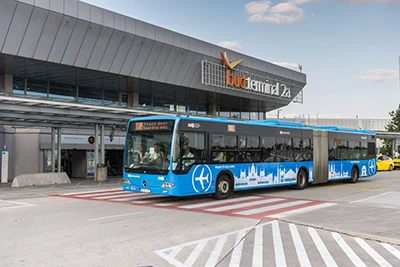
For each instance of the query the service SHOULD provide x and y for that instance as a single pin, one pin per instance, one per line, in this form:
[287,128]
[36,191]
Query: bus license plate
[144,190]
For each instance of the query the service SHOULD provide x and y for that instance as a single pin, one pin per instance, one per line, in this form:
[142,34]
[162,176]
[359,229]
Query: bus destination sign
[153,126]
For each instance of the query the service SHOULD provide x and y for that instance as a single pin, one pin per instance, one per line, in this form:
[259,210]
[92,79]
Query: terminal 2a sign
[238,79]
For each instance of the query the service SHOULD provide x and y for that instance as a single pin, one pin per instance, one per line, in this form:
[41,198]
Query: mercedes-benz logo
[144,182]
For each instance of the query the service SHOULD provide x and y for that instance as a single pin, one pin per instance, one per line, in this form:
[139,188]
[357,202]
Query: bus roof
[273,123]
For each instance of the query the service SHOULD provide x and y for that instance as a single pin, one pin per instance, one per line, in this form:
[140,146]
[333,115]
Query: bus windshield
[148,147]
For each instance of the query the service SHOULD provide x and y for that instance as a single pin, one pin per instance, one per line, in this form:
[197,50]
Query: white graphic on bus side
[201,178]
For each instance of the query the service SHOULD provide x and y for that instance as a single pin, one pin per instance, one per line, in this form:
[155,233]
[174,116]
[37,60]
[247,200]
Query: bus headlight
[126,181]
[167,185]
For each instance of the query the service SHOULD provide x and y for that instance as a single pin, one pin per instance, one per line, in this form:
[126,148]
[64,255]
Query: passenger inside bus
[218,155]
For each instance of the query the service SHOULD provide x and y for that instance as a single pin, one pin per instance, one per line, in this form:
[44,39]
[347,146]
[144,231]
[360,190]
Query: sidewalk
[76,185]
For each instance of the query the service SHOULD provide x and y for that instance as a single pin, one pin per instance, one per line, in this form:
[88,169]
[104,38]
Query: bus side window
[297,149]
[268,149]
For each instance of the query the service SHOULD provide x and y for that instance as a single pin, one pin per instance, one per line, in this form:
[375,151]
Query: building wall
[26,151]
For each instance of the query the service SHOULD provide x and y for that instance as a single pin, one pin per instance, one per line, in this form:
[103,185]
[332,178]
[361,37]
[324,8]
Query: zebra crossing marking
[232,255]
[254,206]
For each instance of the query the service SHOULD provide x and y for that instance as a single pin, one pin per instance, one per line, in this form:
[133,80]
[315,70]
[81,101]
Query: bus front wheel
[223,187]
[302,179]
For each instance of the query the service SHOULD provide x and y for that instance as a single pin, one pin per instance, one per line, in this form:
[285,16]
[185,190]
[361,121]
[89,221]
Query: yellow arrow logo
[230,65]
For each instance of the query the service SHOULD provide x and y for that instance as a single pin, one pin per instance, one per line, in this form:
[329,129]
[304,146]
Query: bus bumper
[148,189]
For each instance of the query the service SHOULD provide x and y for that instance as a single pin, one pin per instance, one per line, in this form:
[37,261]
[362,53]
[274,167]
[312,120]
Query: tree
[393,126]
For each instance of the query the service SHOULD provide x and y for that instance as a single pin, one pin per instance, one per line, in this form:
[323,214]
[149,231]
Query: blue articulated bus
[184,156]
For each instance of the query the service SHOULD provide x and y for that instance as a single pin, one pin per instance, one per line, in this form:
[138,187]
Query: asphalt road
[89,224]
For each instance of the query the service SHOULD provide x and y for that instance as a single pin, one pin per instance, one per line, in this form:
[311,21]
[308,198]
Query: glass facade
[151,95]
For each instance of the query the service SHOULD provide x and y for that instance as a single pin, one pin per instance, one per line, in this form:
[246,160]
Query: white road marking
[298,244]
[392,250]
[195,253]
[349,252]
[175,252]
[245,205]
[326,256]
[278,246]
[368,198]
[214,256]
[237,252]
[303,210]
[114,216]
[213,259]
[116,196]
[273,207]
[378,258]
[19,205]
[116,193]
[94,191]
[214,203]
[137,197]
[258,247]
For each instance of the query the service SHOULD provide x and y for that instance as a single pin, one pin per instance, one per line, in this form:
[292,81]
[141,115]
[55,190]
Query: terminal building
[70,72]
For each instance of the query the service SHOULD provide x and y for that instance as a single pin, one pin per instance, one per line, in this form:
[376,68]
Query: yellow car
[384,163]
[396,163]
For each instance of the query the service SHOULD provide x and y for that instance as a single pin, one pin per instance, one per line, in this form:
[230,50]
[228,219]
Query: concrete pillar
[53,149]
[102,145]
[59,150]
[6,83]
[96,148]
[133,92]
[212,104]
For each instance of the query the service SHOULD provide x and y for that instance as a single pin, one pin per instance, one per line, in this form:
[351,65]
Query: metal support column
[102,145]
[53,149]
[96,148]
[395,145]
[59,150]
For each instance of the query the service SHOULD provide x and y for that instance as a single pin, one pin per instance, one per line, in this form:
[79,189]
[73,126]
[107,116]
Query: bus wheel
[354,175]
[224,187]
[302,179]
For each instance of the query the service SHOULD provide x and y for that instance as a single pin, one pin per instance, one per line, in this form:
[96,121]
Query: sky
[349,49]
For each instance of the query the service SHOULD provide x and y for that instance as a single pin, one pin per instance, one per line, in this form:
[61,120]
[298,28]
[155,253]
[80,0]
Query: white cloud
[235,45]
[293,66]
[379,75]
[285,12]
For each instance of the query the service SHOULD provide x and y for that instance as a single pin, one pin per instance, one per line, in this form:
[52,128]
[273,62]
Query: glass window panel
[217,141]
[253,142]
[231,142]
[36,88]
[242,141]
[268,149]
[158,99]
[193,149]
[18,85]
[62,91]
[86,94]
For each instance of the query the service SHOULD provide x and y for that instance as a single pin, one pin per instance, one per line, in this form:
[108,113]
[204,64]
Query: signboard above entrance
[227,75]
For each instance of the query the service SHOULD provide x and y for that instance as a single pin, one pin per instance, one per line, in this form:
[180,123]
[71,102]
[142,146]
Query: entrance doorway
[114,161]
